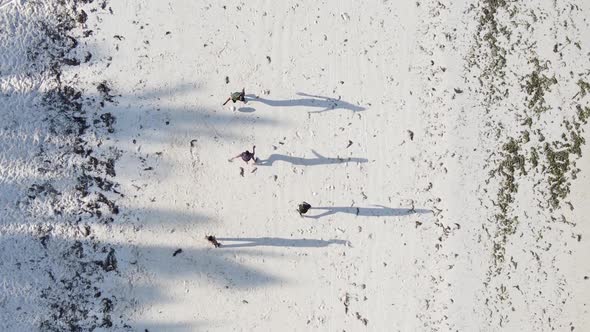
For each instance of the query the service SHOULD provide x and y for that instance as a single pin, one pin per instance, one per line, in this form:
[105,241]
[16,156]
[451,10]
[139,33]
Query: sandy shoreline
[439,143]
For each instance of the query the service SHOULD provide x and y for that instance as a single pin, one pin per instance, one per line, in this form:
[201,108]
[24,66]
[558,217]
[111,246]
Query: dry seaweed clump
[512,165]
[536,85]
[583,114]
[489,19]
[489,23]
[534,158]
[584,88]
[558,154]
[560,165]
[492,47]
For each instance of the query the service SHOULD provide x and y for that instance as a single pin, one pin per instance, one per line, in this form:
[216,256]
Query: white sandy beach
[441,145]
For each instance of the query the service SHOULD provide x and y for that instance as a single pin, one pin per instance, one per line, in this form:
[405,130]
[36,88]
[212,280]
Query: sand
[440,144]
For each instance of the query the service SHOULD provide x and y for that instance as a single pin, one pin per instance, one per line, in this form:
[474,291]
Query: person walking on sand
[246,155]
[303,208]
[213,240]
[235,96]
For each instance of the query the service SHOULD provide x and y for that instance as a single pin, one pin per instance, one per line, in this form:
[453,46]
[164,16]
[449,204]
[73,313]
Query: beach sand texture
[441,145]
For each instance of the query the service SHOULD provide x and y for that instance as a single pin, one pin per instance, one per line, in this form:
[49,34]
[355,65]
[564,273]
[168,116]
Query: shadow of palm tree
[318,160]
[83,262]
[171,327]
[64,191]
[378,211]
[211,264]
[144,123]
[277,242]
[246,109]
[326,103]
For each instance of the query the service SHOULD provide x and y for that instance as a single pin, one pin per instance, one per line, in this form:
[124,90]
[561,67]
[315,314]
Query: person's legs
[243,95]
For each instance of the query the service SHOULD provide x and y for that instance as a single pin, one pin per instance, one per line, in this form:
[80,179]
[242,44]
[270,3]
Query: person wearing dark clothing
[303,208]
[213,240]
[235,96]
[246,155]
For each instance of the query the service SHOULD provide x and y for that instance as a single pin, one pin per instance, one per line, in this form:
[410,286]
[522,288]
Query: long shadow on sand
[318,160]
[325,103]
[377,211]
[276,242]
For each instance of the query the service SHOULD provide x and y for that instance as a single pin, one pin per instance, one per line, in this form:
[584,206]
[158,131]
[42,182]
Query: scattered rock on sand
[110,262]
[362,319]
[71,62]
[85,230]
[346,302]
[82,17]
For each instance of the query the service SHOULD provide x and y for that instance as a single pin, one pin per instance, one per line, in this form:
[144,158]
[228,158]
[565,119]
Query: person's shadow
[377,211]
[325,103]
[246,109]
[275,242]
[318,160]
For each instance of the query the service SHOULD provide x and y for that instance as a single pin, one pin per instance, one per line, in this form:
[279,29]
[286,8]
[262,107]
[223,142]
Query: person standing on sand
[235,96]
[303,208]
[246,155]
[213,240]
